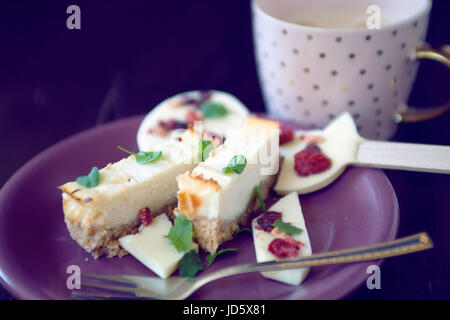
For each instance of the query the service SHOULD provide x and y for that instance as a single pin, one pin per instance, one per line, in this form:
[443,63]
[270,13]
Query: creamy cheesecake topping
[129,185]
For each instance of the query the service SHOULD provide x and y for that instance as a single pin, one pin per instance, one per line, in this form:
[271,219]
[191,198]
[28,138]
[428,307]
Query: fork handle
[404,156]
[401,246]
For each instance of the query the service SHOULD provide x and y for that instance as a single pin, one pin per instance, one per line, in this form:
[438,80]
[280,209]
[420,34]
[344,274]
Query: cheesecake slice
[219,194]
[289,211]
[97,217]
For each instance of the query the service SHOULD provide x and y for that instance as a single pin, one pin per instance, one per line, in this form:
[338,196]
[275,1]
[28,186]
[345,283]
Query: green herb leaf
[213,109]
[91,180]
[190,264]
[262,204]
[237,164]
[211,256]
[147,157]
[204,149]
[180,234]
[144,157]
[286,227]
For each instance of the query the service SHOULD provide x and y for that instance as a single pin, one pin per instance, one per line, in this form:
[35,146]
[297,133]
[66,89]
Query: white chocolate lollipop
[175,112]
[340,142]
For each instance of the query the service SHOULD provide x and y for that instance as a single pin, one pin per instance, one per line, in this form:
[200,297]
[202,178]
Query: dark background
[130,55]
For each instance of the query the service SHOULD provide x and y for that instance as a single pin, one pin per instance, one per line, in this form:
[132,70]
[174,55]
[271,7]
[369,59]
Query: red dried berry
[205,95]
[146,216]
[192,116]
[172,125]
[267,219]
[284,248]
[197,102]
[313,148]
[286,134]
[309,162]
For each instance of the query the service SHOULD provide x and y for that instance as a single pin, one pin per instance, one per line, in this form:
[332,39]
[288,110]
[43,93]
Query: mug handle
[412,114]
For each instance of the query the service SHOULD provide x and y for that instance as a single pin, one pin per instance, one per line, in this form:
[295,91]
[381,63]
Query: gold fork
[174,288]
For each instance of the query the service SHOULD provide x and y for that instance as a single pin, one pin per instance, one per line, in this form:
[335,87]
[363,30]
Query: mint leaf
[262,205]
[211,257]
[213,109]
[91,180]
[286,227]
[147,157]
[144,157]
[237,164]
[204,149]
[190,264]
[180,234]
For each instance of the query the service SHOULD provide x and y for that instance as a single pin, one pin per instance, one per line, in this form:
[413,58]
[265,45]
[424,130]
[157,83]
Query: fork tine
[103,296]
[115,279]
[120,289]
[148,286]
[132,291]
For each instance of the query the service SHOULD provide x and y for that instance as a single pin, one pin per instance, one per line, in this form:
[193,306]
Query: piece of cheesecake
[216,112]
[151,247]
[291,213]
[218,200]
[97,217]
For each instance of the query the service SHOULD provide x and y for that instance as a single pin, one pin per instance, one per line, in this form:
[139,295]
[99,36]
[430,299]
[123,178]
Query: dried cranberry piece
[172,125]
[159,131]
[146,216]
[205,95]
[197,102]
[267,219]
[314,148]
[309,162]
[312,139]
[257,213]
[192,116]
[286,134]
[189,101]
[284,248]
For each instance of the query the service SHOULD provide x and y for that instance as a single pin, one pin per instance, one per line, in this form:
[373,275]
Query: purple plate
[360,208]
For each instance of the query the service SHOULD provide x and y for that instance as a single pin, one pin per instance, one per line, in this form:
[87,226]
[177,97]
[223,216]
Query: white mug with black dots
[317,59]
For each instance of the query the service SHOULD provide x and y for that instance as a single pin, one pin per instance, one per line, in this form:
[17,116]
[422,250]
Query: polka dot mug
[311,73]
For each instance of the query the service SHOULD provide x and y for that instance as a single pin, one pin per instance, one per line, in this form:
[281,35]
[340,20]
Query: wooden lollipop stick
[404,156]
